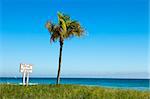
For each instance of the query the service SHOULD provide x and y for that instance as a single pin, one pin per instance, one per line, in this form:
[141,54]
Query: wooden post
[24,74]
[27,79]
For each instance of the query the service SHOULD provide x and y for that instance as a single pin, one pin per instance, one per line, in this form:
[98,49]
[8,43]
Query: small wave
[29,84]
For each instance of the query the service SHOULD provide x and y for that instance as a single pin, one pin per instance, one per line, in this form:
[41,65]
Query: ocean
[137,84]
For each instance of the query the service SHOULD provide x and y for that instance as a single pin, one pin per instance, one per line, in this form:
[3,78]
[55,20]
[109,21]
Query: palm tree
[66,28]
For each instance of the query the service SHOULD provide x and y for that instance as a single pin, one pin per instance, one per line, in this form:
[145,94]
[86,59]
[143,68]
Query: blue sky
[116,43]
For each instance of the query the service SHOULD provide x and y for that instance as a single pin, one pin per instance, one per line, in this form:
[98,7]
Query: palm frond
[66,28]
[50,27]
[56,33]
[74,29]
[62,25]
[63,16]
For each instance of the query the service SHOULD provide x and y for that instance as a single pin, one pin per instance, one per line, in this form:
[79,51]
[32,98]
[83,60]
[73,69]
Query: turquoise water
[137,84]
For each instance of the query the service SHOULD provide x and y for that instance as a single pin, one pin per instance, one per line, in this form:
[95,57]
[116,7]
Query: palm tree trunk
[59,65]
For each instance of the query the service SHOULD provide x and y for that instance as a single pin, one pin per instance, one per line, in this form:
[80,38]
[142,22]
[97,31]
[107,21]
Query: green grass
[68,92]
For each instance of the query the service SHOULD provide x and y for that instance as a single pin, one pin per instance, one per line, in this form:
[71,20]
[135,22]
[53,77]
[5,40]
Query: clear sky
[116,43]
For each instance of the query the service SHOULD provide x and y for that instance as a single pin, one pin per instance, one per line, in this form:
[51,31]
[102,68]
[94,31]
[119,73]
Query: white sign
[25,69]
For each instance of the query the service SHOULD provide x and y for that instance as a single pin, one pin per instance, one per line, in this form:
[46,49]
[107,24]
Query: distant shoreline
[83,78]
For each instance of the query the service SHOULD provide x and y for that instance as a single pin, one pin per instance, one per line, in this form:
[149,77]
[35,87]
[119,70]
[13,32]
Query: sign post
[25,69]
